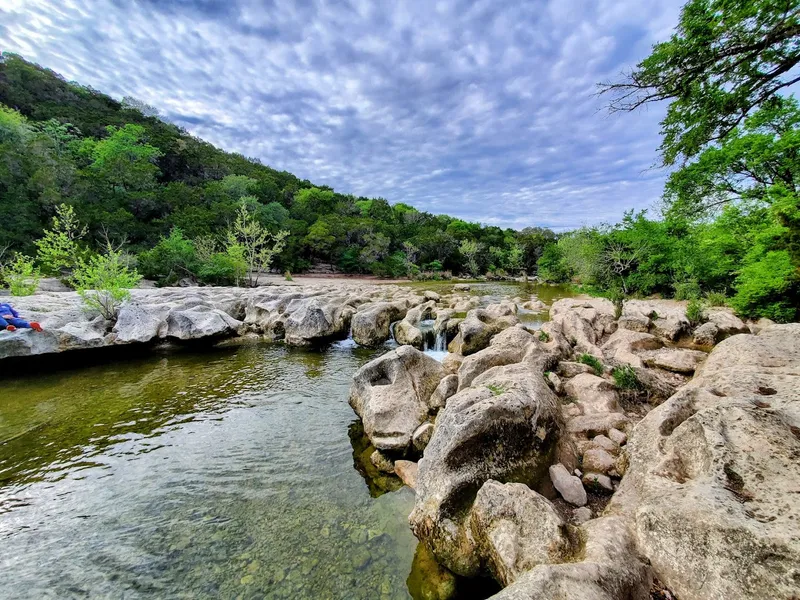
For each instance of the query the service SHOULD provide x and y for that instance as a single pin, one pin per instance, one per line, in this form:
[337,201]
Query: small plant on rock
[288,276]
[625,378]
[544,336]
[695,312]
[496,389]
[104,281]
[592,361]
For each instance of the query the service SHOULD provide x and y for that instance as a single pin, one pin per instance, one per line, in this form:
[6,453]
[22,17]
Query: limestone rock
[593,394]
[711,486]
[581,515]
[597,481]
[677,360]
[516,529]
[430,295]
[569,486]
[505,427]
[137,322]
[622,346]
[610,569]
[421,436]
[200,322]
[706,335]
[481,324]
[371,324]
[597,460]
[505,348]
[451,363]
[571,369]
[406,470]
[381,462]
[391,395]
[727,323]
[446,388]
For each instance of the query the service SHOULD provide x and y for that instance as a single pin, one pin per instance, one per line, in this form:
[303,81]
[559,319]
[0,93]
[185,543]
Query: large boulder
[391,395]
[677,360]
[481,324]
[584,322]
[608,568]
[593,394]
[712,482]
[370,326]
[505,427]
[139,322]
[200,322]
[667,317]
[623,345]
[506,347]
[516,529]
[316,319]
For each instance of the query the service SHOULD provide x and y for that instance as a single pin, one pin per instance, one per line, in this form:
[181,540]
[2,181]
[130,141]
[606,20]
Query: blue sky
[484,110]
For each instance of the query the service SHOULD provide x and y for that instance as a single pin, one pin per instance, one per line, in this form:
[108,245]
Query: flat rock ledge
[566,477]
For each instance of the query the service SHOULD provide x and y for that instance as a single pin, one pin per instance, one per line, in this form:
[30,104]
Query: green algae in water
[227,473]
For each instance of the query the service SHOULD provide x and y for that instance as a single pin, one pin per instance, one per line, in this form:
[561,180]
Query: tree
[58,249]
[256,245]
[470,249]
[123,160]
[725,59]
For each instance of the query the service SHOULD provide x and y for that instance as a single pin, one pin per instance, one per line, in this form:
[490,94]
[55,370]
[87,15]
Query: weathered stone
[591,425]
[581,515]
[200,322]
[727,323]
[451,363]
[593,394]
[505,348]
[428,580]
[668,317]
[555,382]
[569,486]
[635,323]
[677,360]
[446,388]
[571,369]
[505,427]
[597,460]
[408,330]
[461,287]
[622,346]
[391,395]
[597,481]
[706,335]
[609,569]
[406,470]
[371,324]
[317,318]
[481,324]
[421,436]
[617,436]
[141,323]
[516,529]
[381,462]
[430,295]
[712,477]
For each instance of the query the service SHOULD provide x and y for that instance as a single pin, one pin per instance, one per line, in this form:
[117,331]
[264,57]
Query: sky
[485,110]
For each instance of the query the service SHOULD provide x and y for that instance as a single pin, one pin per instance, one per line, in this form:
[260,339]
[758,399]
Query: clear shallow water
[233,473]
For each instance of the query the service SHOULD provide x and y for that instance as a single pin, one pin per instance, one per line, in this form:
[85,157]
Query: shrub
[434,265]
[716,298]
[223,268]
[544,336]
[625,378]
[288,276]
[171,259]
[695,312]
[592,361]
[104,281]
[21,276]
[687,290]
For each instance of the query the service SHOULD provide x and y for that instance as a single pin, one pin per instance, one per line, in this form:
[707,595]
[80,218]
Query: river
[236,473]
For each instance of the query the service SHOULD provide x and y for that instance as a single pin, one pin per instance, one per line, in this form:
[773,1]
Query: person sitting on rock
[10,321]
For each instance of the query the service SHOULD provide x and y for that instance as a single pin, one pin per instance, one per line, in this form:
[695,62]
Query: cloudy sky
[481,109]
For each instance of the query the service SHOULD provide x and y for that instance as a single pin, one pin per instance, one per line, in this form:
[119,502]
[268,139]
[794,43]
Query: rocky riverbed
[582,460]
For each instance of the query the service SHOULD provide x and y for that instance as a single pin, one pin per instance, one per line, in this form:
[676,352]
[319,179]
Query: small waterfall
[433,344]
[346,343]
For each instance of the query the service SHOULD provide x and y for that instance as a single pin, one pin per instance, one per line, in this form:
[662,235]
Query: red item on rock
[10,328]
[35,326]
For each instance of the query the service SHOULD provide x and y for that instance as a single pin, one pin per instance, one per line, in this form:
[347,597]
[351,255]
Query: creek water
[233,473]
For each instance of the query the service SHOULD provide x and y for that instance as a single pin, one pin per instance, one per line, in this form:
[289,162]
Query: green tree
[724,60]
[247,239]
[123,160]
[58,249]
[470,249]
[104,281]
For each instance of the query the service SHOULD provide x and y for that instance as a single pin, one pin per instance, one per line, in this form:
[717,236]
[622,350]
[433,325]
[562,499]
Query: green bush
[173,258]
[288,276]
[625,378]
[22,276]
[592,361]
[716,298]
[104,281]
[695,312]
[224,268]
[544,336]
[687,290]
[768,288]
[58,249]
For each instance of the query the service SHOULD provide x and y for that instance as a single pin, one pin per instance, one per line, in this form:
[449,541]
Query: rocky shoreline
[602,455]
[535,465]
